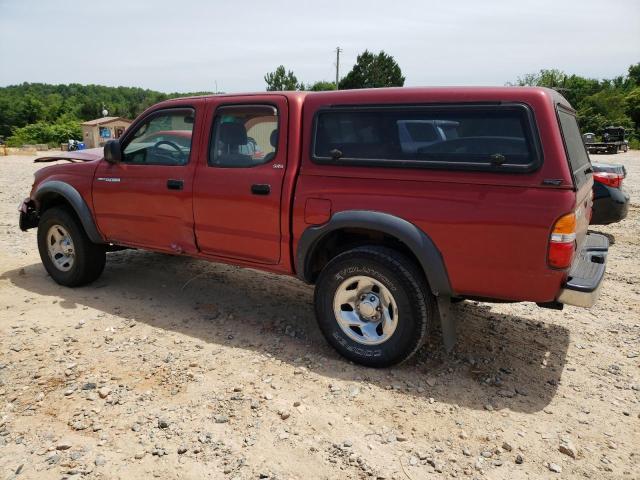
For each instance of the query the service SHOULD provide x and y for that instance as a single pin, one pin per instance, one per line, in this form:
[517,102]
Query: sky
[194,45]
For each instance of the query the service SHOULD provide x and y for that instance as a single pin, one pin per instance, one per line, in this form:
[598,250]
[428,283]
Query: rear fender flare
[415,239]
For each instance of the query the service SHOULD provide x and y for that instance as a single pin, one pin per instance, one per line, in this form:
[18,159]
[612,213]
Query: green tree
[632,106]
[607,107]
[41,132]
[282,80]
[599,103]
[575,88]
[373,71]
[31,110]
[550,78]
[634,74]
[321,86]
[44,104]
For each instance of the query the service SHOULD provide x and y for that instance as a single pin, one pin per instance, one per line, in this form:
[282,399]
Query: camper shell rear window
[494,137]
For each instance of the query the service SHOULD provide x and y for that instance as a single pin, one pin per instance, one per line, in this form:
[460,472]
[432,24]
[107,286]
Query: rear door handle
[175,184]
[261,189]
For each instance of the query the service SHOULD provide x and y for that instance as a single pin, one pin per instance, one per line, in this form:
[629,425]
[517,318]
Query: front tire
[373,306]
[66,252]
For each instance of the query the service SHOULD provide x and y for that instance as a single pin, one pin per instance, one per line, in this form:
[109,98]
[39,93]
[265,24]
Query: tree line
[599,103]
[370,71]
[41,113]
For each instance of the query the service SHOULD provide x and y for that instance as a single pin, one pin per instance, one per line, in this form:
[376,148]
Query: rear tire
[66,251]
[373,306]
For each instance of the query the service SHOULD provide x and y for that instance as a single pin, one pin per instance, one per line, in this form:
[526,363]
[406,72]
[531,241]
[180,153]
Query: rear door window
[499,137]
[243,136]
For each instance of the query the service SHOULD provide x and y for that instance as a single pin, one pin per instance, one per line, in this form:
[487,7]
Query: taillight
[609,178]
[562,243]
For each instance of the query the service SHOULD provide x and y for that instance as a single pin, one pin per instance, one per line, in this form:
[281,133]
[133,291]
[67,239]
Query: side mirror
[113,152]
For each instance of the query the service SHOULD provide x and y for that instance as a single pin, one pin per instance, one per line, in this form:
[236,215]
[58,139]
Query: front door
[146,200]
[237,189]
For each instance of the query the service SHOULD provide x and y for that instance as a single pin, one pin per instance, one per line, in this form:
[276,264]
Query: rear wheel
[373,306]
[65,250]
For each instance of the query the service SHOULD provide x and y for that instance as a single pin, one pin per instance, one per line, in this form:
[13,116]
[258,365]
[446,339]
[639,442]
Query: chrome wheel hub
[60,248]
[369,306]
[365,310]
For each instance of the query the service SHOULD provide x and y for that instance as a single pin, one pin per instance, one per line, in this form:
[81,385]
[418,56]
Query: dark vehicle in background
[610,201]
[612,141]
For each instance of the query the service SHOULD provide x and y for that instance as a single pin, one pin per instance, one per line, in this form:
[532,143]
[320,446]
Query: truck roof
[405,94]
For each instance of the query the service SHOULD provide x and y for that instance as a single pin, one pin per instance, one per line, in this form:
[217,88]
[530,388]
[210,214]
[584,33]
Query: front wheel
[66,251]
[373,306]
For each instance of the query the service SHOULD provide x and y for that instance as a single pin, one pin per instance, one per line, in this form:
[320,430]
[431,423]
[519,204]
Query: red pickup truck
[392,202]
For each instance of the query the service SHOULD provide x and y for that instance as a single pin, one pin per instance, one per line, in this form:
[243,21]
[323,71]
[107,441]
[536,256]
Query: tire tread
[408,274]
[90,257]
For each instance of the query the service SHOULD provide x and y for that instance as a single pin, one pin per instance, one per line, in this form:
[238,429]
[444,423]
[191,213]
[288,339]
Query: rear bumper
[584,281]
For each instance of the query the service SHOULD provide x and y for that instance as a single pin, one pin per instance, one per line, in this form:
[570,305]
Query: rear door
[238,185]
[580,167]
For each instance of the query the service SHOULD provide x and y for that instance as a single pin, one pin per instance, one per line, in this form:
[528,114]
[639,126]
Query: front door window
[163,139]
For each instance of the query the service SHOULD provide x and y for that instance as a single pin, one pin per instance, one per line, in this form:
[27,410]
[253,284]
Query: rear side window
[243,136]
[497,137]
[577,153]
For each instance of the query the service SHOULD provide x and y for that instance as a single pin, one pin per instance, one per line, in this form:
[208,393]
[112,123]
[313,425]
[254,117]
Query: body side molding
[77,203]
[415,239]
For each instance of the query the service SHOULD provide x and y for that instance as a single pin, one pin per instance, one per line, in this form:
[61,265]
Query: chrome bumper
[585,277]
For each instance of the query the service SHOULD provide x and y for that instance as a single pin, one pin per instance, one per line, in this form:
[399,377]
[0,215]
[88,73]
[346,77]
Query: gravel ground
[170,367]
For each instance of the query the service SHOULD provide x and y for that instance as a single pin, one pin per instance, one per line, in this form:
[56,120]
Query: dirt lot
[169,367]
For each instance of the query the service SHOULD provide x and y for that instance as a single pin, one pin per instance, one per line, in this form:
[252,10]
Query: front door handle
[261,189]
[175,184]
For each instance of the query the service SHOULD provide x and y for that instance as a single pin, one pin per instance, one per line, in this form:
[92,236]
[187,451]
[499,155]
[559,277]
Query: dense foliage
[282,80]
[321,85]
[42,113]
[373,71]
[599,103]
[370,71]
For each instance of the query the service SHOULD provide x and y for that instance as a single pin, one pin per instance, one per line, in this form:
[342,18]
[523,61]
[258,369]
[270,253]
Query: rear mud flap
[448,323]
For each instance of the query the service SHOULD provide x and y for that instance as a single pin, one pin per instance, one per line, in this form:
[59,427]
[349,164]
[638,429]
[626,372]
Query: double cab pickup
[393,202]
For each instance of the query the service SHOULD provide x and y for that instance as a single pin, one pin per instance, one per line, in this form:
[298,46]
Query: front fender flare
[73,197]
[415,239]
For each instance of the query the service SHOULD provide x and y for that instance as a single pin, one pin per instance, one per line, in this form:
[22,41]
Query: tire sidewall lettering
[345,273]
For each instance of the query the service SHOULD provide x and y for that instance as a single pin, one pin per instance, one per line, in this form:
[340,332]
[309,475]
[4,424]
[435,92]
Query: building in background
[95,133]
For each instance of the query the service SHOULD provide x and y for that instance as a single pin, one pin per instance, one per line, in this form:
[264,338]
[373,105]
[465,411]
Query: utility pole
[338,50]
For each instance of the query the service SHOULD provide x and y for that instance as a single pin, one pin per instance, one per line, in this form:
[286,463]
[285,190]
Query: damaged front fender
[75,156]
[28,215]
